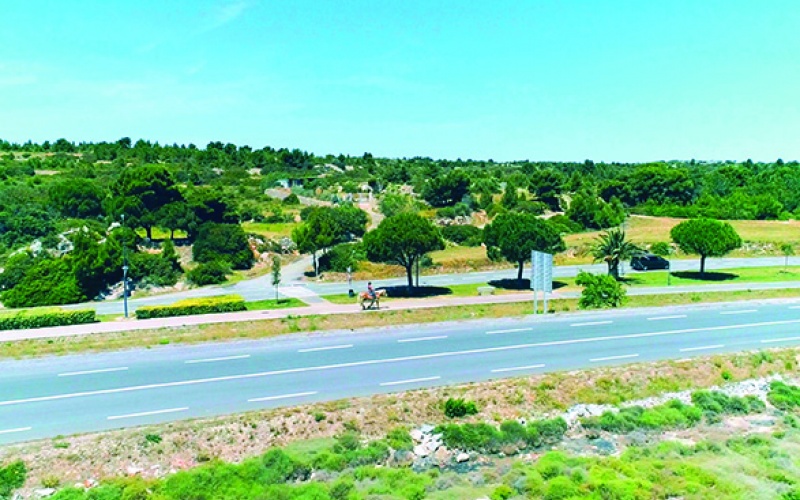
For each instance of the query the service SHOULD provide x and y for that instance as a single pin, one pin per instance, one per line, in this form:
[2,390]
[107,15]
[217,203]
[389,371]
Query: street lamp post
[124,269]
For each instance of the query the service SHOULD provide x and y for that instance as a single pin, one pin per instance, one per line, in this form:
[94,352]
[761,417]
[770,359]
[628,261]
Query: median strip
[282,396]
[702,348]
[148,413]
[328,348]
[91,372]
[409,381]
[516,368]
[610,358]
[214,360]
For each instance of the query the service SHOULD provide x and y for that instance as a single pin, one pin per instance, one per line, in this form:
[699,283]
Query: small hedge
[210,305]
[43,319]
[488,438]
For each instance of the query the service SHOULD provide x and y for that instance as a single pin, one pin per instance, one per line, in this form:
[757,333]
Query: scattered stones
[44,492]
[133,471]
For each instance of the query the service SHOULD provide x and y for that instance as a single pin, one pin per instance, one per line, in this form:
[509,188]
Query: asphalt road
[61,396]
[260,288]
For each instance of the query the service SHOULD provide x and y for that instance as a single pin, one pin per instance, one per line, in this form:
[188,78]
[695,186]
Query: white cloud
[225,13]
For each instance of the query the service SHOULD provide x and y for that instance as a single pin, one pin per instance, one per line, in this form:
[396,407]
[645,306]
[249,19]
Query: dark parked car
[649,261]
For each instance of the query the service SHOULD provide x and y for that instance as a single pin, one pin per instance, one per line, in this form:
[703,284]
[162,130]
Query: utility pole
[124,268]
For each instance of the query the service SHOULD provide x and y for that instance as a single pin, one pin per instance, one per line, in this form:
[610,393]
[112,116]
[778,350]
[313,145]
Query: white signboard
[541,272]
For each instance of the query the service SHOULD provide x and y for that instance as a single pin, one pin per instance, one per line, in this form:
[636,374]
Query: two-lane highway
[60,396]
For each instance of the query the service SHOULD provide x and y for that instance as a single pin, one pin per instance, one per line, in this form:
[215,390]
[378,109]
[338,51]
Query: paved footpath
[324,308]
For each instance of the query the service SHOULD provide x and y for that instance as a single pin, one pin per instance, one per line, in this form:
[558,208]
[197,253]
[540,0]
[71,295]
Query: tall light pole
[124,268]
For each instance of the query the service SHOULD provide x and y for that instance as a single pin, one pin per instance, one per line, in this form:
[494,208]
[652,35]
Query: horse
[363,297]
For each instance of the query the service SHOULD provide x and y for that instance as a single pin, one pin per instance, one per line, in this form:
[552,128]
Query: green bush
[209,305]
[400,439]
[223,242]
[152,269]
[599,291]
[342,256]
[485,437]
[502,492]
[670,415]
[43,319]
[718,403]
[209,273]
[457,408]
[48,282]
[466,235]
[291,200]
[12,476]
[783,396]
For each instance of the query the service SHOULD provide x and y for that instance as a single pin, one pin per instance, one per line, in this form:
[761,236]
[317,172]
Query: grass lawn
[265,305]
[647,230]
[270,230]
[740,275]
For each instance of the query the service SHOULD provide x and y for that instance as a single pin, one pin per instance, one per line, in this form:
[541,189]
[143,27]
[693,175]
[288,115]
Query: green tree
[599,290]
[80,198]
[446,190]
[276,274]
[513,236]
[706,238]
[612,247]
[403,239]
[223,242]
[396,203]
[325,227]
[140,192]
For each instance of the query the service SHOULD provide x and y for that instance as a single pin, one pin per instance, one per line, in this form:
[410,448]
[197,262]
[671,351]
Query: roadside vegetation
[200,216]
[516,445]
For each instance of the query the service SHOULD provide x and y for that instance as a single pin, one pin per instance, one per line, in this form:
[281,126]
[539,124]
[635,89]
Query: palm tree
[612,247]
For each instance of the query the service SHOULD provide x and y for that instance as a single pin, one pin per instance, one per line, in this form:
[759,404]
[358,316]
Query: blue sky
[608,80]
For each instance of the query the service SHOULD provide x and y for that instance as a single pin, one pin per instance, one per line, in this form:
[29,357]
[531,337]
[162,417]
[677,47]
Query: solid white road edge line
[409,381]
[214,360]
[90,372]
[609,358]
[592,323]
[446,354]
[516,368]
[744,311]
[702,348]
[147,413]
[19,429]
[659,318]
[282,396]
[509,330]
[329,348]
[423,339]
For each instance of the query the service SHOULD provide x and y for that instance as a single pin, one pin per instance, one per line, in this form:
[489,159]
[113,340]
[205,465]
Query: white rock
[462,457]
[426,429]
[421,451]
[132,471]
[416,435]
[44,492]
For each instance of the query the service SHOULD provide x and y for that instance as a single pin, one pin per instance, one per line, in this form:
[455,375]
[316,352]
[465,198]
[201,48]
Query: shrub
[783,396]
[718,403]
[48,282]
[546,432]
[599,291]
[670,415]
[43,319]
[152,269]
[660,248]
[466,235]
[210,305]
[457,408]
[560,488]
[225,242]
[209,273]
[484,437]
[340,257]
[12,476]
[400,439]
[502,492]
[292,199]
[564,224]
